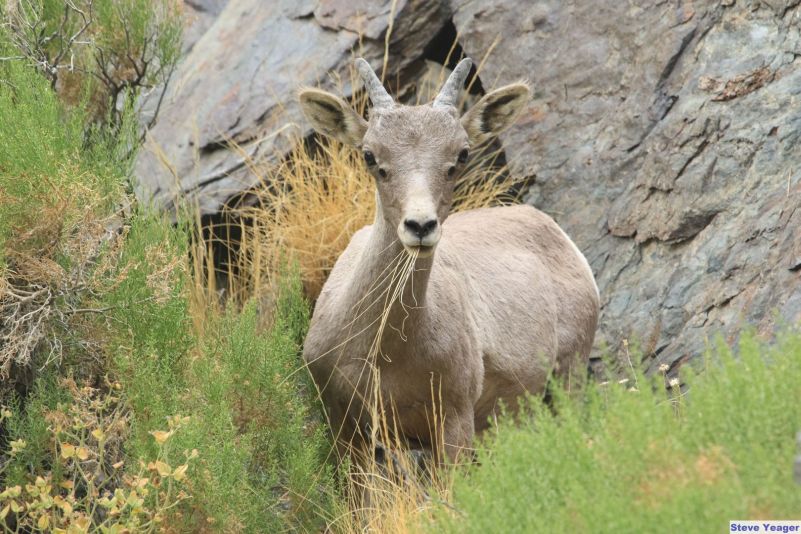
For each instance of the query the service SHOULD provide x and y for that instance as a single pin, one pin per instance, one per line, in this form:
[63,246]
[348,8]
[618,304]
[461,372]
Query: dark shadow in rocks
[438,48]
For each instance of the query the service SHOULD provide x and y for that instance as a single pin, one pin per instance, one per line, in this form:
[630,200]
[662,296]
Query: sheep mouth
[422,251]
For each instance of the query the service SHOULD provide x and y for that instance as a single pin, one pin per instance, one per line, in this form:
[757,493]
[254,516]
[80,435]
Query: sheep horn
[450,91]
[375,89]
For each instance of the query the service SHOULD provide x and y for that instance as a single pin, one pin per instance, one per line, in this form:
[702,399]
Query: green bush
[133,391]
[267,471]
[246,407]
[45,170]
[236,390]
[628,458]
[96,54]
[60,182]
[29,428]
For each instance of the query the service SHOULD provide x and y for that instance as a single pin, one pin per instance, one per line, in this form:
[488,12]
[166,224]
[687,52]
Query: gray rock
[199,15]
[237,85]
[664,137]
[665,140]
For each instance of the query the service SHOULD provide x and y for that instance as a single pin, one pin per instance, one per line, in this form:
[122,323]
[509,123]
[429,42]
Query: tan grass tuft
[311,204]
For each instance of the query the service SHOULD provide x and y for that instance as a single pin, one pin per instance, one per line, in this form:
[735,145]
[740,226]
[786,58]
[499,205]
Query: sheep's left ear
[495,112]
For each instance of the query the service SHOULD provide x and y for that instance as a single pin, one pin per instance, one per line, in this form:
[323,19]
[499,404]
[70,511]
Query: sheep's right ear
[331,116]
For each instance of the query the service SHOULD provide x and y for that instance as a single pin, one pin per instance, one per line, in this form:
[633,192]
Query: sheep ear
[331,116]
[495,112]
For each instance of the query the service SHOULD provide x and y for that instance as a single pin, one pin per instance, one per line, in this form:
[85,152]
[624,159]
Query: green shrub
[628,458]
[136,398]
[29,429]
[45,171]
[60,182]
[96,54]
[236,390]
[267,470]
[246,407]
[66,472]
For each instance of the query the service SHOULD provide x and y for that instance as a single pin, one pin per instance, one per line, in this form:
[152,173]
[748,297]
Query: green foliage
[254,405]
[626,459]
[127,28]
[94,52]
[67,472]
[29,429]
[59,182]
[199,418]
[43,167]
[243,402]
[36,136]
[247,409]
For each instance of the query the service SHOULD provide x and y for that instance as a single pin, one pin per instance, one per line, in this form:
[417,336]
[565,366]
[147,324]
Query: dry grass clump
[394,496]
[313,201]
[49,272]
[307,211]
[394,489]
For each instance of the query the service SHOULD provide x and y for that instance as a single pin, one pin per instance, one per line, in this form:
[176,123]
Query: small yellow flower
[160,467]
[17,446]
[64,505]
[180,472]
[161,436]
[82,453]
[67,450]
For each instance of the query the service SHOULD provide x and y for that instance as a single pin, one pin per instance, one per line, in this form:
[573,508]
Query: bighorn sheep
[492,300]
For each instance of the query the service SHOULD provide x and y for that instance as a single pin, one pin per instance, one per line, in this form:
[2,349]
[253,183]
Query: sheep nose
[420,229]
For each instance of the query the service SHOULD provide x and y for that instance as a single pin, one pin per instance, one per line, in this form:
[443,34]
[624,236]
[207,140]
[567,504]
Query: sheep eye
[463,156]
[382,172]
[369,158]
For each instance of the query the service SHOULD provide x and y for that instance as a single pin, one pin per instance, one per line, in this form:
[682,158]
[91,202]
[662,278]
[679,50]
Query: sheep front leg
[458,435]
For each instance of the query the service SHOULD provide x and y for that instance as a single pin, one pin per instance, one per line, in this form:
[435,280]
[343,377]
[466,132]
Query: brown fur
[499,298]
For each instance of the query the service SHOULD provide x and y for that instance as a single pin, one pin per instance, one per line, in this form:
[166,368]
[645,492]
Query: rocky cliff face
[665,139]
